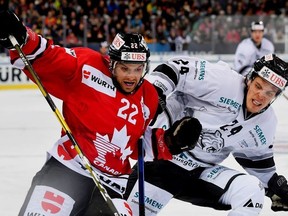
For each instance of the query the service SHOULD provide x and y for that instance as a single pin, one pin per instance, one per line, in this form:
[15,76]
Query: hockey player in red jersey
[107,105]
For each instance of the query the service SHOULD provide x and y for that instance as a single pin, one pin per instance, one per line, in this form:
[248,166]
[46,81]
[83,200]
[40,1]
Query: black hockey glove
[278,192]
[183,135]
[278,204]
[11,25]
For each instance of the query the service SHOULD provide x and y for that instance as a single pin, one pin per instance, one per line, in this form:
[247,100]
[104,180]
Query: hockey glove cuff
[160,148]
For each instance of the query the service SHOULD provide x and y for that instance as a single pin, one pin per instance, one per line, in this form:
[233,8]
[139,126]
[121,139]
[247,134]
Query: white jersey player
[251,49]
[236,118]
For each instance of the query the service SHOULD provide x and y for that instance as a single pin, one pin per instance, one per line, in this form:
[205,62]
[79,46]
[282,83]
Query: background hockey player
[252,48]
[237,118]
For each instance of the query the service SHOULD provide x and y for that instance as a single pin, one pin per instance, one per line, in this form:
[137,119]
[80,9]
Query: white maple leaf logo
[118,142]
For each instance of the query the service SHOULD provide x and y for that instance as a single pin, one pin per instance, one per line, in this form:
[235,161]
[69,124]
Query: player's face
[260,94]
[257,36]
[128,75]
[104,50]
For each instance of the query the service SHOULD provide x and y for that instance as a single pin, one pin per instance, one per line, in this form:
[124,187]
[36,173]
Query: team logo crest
[118,42]
[211,142]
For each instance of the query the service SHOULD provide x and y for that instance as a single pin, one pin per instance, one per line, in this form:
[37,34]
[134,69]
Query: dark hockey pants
[182,184]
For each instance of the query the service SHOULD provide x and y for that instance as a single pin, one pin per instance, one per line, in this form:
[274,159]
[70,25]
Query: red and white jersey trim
[58,151]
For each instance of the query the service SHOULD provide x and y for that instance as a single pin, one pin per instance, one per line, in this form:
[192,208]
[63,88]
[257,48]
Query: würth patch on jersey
[49,201]
[95,79]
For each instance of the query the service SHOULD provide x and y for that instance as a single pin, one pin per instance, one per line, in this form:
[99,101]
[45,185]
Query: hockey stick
[65,127]
[141,179]
[285,96]
[140,164]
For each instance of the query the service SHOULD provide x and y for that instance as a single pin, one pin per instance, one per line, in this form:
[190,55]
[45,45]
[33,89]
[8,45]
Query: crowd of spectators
[77,22]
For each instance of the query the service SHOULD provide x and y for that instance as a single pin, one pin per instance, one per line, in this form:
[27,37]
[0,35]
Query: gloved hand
[278,192]
[11,25]
[278,204]
[182,135]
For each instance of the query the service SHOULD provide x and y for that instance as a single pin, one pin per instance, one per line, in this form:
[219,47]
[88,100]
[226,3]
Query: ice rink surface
[28,127]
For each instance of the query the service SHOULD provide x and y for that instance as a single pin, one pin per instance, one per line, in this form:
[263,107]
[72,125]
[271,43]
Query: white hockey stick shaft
[285,96]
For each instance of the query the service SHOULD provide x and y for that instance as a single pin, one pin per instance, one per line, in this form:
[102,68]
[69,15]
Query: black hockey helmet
[129,48]
[272,69]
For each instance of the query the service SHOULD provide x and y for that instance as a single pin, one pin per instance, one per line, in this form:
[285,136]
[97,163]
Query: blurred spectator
[72,40]
[137,24]
[3,4]
[243,33]
[149,37]
[202,20]
[171,39]
[103,49]
[232,36]
[182,41]
[112,6]
[151,7]
[50,19]
[205,29]
[161,34]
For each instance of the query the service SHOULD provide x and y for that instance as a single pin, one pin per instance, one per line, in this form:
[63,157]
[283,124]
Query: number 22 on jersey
[124,112]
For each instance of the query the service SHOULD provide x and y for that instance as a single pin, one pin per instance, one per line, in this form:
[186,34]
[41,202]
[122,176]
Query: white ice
[28,127]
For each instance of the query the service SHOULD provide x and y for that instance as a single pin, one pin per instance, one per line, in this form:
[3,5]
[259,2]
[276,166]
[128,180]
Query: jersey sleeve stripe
[168,71]
[259,164]
[36,52]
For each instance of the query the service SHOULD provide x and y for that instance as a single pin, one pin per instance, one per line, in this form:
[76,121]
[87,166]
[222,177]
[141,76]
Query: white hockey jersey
[214,94]
[247,53]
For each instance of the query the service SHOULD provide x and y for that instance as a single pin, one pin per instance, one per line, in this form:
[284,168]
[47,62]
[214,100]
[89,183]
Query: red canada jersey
[105,122]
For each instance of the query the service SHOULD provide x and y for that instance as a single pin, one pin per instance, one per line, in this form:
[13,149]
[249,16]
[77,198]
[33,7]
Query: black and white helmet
[272,69]
[257,26]
[129,48]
